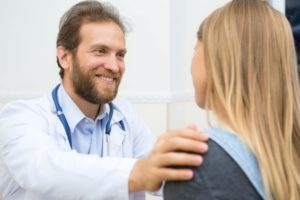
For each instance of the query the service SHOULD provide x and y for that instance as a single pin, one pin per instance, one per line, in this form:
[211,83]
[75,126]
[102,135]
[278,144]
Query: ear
[64,57]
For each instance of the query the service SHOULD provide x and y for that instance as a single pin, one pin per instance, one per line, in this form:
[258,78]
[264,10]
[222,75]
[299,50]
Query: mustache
[106,73]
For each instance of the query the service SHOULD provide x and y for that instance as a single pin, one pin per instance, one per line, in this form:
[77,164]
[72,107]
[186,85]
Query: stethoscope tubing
[62,118]
[61,115]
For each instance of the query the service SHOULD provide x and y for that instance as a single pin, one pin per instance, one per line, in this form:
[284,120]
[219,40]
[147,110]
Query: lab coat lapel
[61,136]
[58,131]
[117,138]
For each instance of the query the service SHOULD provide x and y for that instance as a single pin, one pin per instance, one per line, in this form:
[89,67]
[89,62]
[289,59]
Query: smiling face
[95,70]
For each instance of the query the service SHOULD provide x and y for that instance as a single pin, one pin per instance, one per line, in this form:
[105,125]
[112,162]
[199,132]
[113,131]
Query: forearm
[66,175]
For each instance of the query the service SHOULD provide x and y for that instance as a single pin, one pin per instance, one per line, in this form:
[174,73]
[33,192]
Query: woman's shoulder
[223,174]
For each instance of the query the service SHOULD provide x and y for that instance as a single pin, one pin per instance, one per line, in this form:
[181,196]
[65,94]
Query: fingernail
[204,136]
[189,174]
[198,160]
[203,147]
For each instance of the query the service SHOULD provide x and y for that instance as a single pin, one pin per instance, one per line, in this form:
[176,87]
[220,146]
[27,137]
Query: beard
[86,87]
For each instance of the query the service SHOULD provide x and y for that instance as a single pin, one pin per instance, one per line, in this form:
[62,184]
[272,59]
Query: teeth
[106,78]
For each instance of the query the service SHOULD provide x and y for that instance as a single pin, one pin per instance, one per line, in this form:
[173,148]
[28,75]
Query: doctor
[80,142]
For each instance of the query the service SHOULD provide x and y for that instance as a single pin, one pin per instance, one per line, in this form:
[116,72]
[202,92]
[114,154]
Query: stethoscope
[64,122]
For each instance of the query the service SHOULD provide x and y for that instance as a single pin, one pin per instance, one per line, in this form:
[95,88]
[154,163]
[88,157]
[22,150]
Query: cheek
[199,81]
[202,87]
[83,64]
[122,68]
[194,72]
[93,63]
[200,94]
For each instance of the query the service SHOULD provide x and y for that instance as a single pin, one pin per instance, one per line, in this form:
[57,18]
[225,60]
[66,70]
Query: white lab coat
[36,162]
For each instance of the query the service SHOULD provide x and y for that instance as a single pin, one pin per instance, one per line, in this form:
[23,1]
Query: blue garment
[87,134]
[241,155]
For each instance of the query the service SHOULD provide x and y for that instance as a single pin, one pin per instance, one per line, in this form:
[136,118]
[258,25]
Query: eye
[121,55]
[100,51]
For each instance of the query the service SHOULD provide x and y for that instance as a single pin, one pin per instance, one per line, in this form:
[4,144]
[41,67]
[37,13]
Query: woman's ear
[64,57]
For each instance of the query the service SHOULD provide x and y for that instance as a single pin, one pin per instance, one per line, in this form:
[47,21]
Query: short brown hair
[79,14]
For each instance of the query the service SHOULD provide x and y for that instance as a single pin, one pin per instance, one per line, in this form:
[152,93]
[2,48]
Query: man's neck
[90,110]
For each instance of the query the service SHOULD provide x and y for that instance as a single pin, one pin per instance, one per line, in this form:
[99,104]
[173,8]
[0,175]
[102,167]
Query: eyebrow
[107,47]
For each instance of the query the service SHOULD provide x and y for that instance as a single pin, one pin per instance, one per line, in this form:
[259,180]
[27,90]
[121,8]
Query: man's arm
[32,161]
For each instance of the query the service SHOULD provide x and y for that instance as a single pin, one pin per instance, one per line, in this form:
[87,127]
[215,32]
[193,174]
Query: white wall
[278,4]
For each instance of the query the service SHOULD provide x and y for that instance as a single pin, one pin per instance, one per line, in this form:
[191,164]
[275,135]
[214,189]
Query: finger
[181,144]
[172,174]
[178,159]
[192,126]
[185,133]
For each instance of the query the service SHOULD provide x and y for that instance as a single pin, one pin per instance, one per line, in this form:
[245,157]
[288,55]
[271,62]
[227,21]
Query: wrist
[135,179]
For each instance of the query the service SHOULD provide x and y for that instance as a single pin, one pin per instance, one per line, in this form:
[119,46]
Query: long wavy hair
[253,87]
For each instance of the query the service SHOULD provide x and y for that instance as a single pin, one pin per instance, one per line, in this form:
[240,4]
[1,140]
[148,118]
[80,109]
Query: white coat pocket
[115,143]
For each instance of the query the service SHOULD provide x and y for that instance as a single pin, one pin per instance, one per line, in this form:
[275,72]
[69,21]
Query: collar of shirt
[74,115]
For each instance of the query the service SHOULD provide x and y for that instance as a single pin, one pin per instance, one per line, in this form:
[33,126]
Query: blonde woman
[244,71]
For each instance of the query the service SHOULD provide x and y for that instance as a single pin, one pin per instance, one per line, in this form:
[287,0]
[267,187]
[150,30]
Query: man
[80,142]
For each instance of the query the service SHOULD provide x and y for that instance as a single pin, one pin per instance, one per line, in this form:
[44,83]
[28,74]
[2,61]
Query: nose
[112,64]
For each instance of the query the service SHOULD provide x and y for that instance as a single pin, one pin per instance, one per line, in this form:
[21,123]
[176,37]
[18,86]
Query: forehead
[102,33]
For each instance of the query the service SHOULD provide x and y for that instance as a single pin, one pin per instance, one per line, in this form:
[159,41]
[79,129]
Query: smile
[106,79]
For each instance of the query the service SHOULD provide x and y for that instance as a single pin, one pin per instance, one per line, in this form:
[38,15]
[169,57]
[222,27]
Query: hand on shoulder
[175,148]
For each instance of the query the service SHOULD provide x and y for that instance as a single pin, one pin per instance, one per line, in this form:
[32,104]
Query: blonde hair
[253,86]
